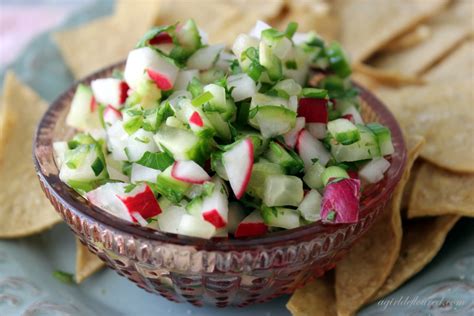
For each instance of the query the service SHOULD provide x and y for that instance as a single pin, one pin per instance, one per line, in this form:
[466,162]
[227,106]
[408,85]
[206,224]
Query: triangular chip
[24,210]
[316,298]
[444,115]
[414,37]
[391,78]
[440,192]
[458,65]
[422,239]
[86,262]
[368,25]
[312,15]
[370,260]
[88,48]
[460,12]
[445,35]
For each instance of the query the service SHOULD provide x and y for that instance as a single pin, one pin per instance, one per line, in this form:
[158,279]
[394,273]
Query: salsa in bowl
[222,270]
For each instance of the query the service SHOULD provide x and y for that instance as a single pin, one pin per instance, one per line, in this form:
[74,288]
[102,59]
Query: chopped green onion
[314,93]
[291,29]
[202,98]
[338,61]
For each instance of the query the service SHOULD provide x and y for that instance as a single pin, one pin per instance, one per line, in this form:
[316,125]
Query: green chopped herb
[97,166]
[133,125]
[157,161]
[64,277]
[129,188]
[291,64]
[202,98]
[291,29]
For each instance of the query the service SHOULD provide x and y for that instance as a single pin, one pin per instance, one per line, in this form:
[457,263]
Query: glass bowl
[218,272]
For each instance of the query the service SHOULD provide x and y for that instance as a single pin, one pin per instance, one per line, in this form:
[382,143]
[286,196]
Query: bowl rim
[80,206]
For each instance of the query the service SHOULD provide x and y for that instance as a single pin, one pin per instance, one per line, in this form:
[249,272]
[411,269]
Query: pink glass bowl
[219,272]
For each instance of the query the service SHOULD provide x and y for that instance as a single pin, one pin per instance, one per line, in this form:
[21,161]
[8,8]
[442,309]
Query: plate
[445,286]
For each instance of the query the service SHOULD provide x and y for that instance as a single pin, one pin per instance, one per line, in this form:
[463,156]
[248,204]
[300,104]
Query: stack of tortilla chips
[417,56]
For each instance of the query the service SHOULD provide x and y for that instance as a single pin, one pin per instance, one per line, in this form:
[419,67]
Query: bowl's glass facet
[220,272]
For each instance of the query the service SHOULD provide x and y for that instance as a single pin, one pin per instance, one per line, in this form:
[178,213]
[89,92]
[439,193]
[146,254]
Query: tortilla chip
[439,192]
[460,12]
[409,187]
[457,66]
[422,239]
[370,260]
[222,21]
[316,298]
[24,210]
[447,126]
[368,25]
[107,40]
[387,77]
[412,38]
[415,60]
[87,263]
[311,15]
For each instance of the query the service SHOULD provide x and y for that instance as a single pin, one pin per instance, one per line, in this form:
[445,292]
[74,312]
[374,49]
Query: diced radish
[253,225]
[292,136]
[184,78]
[196,119]
[349,117]
[106,197]
[341,202]
[243,86]
[318,130]
[309,149]
[117,139]
[112,115]
[238,163]
[93,104]
[236,215]
[374,170]
[110,91]
[353,174]
[310,207]
[215,208]
[189,171]
[161,80]
[141,173]
[356,117]
[141,200]
[205,57]
[170,218]
[139,143]
[145,61]
[195,227]
[162,38]
[259,27]
[314,110]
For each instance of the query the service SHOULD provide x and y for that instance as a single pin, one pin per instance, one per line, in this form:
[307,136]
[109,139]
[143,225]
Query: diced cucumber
[84,112]
[261,170]
[220,125]
[242,43]
[194,207]
[219,103]
[374,170]
[182,144]
[205,57]
[211,75]
[270,61]
[147,94]
[310,207]
[365,148]
[312,176]
[384,138]
[170,218]
[333,172]
[172,121]
[139,143]
[260,143]
[84,163]
[60,149]
[288,86]
[171,188]
[280,217]
[273,120]
[344,131]
[188,37]
[195,227]
[283,190]
[285,158]
[260,99]
[217,165]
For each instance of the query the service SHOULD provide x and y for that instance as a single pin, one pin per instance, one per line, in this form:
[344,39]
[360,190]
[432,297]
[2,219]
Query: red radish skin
[196,119]
[250,230]
[162,38]
[353,174]
[341,197]
[93,105]
[349,117]
[175,174]
[112,114]
[313,110]
[161,81]
[214,218]
[143,203]
[248,171]
[123,92]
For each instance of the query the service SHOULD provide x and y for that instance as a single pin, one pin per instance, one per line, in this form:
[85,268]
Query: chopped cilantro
[64,277]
